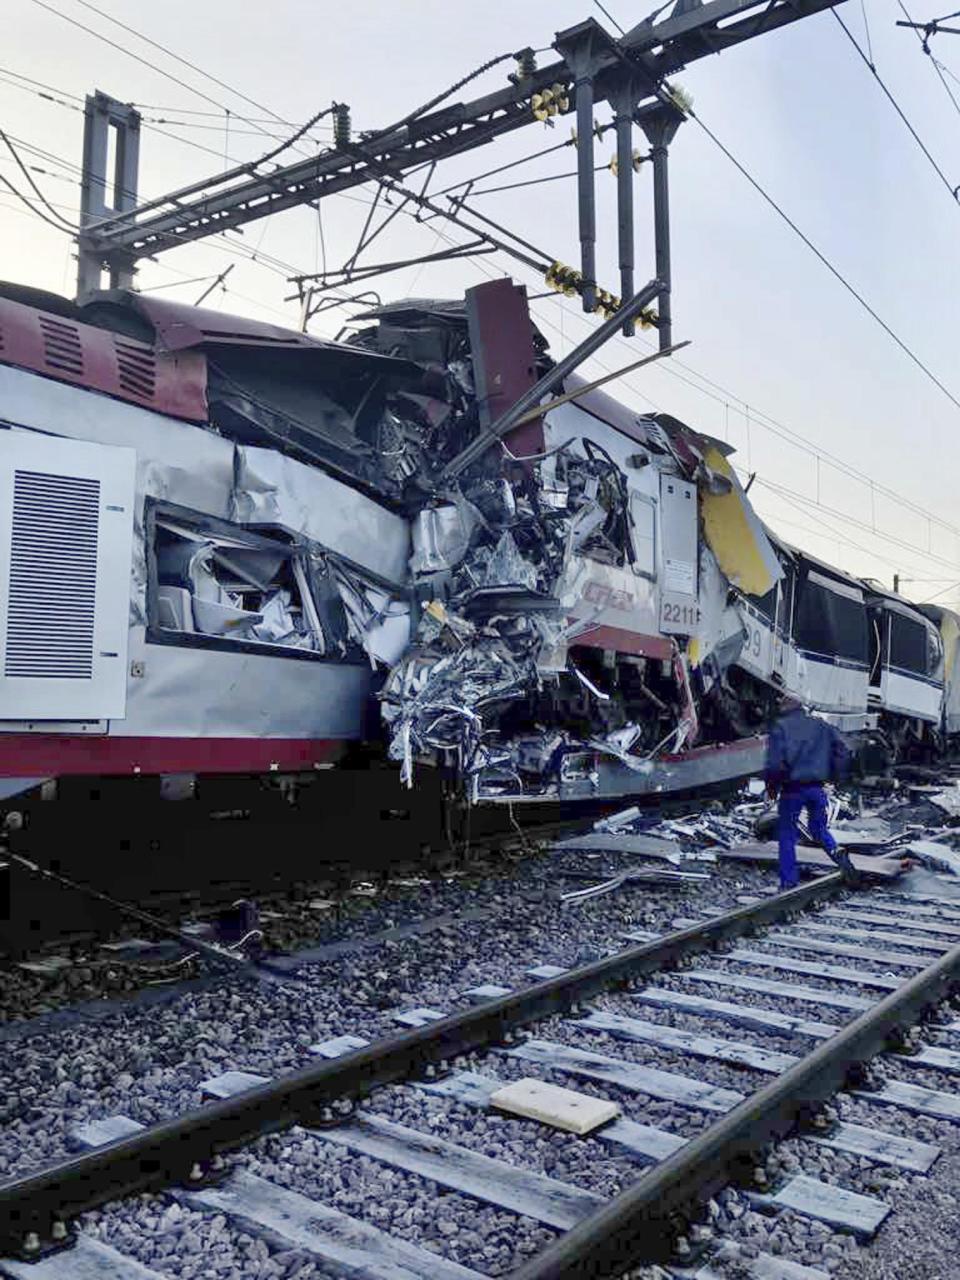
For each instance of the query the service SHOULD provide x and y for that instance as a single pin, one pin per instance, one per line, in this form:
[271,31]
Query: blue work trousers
[793,799]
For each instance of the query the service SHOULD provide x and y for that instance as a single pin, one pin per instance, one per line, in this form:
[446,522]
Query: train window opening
[767,604]
[912,647]
[221,582]
[831,619]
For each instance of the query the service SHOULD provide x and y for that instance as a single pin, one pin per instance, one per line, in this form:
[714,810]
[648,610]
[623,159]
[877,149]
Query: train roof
[256,381]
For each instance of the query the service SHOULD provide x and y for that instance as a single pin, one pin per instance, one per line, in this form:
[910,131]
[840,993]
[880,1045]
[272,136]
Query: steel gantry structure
[629,72]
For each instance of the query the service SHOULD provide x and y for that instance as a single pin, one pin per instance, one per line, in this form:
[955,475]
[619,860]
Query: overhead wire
[38,88]
[771,424]
[939,595]
[275,266]
[667,367]
[57,225]
[896,106]
[5,138]
[238,93]
[938,68]
[856,522]
[609,16]
[834,271]
[134,31]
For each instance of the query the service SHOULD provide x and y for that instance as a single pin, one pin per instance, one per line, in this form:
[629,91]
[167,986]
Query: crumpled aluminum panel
[274,489]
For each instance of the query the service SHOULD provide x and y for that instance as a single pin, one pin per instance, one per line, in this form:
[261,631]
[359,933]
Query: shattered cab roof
[179,326]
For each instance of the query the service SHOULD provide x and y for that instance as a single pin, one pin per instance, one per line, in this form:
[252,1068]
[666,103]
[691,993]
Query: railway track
[844,985]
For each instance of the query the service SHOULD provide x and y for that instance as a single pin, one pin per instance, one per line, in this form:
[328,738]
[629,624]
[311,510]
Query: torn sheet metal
[735,533]
[566,626]
[274,490]
[633,875]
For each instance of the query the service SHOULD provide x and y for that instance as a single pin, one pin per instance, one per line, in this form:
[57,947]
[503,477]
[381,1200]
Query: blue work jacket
[802,749]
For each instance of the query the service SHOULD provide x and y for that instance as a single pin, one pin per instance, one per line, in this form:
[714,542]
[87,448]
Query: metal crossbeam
[645,56]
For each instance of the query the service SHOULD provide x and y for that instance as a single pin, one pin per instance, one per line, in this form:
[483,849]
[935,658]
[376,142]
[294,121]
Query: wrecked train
[230,552]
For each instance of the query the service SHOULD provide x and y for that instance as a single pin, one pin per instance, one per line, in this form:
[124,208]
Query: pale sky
[771,329]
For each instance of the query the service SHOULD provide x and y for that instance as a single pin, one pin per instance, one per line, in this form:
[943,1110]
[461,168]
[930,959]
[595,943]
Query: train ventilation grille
[61,346]
[53,576]
[137,369]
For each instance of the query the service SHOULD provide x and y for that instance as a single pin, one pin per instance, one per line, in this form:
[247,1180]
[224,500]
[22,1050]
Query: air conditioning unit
[66,538]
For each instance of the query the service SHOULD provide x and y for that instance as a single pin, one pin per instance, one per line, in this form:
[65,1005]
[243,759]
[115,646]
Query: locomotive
[234,572]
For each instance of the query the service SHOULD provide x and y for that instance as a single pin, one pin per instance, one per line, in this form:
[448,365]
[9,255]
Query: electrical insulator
[607,303]
[598,130]
[526,65]
[564,279]
[341,125]
[682,100]
[543,105]
[549,102]
[648,319]
[636,161]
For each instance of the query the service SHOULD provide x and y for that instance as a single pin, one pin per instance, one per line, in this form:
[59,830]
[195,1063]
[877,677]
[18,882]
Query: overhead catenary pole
[660,126]
[624,101]
[650,52]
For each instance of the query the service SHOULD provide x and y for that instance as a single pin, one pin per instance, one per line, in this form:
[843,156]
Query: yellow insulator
[559,94]
[553,276]
[542,105]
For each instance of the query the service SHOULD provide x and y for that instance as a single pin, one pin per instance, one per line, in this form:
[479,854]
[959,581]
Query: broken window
[219,581]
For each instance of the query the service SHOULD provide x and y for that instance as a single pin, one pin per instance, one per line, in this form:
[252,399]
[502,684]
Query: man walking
[803,752]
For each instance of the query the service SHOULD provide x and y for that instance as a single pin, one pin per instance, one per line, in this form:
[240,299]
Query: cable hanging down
[64,225]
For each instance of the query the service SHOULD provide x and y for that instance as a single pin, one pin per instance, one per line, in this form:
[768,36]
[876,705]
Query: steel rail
[174,1151]
[639,1226]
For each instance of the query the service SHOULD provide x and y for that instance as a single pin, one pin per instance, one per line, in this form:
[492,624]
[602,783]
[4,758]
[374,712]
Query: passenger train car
[234,571]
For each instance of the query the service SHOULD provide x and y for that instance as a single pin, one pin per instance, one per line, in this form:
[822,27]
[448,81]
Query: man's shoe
[850,874]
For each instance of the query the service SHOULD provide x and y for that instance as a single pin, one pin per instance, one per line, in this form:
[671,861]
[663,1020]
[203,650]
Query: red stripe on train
[32,755]
[623,641]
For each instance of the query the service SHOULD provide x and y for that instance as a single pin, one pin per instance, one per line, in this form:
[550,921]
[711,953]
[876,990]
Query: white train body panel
[909,695]
[181,692]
